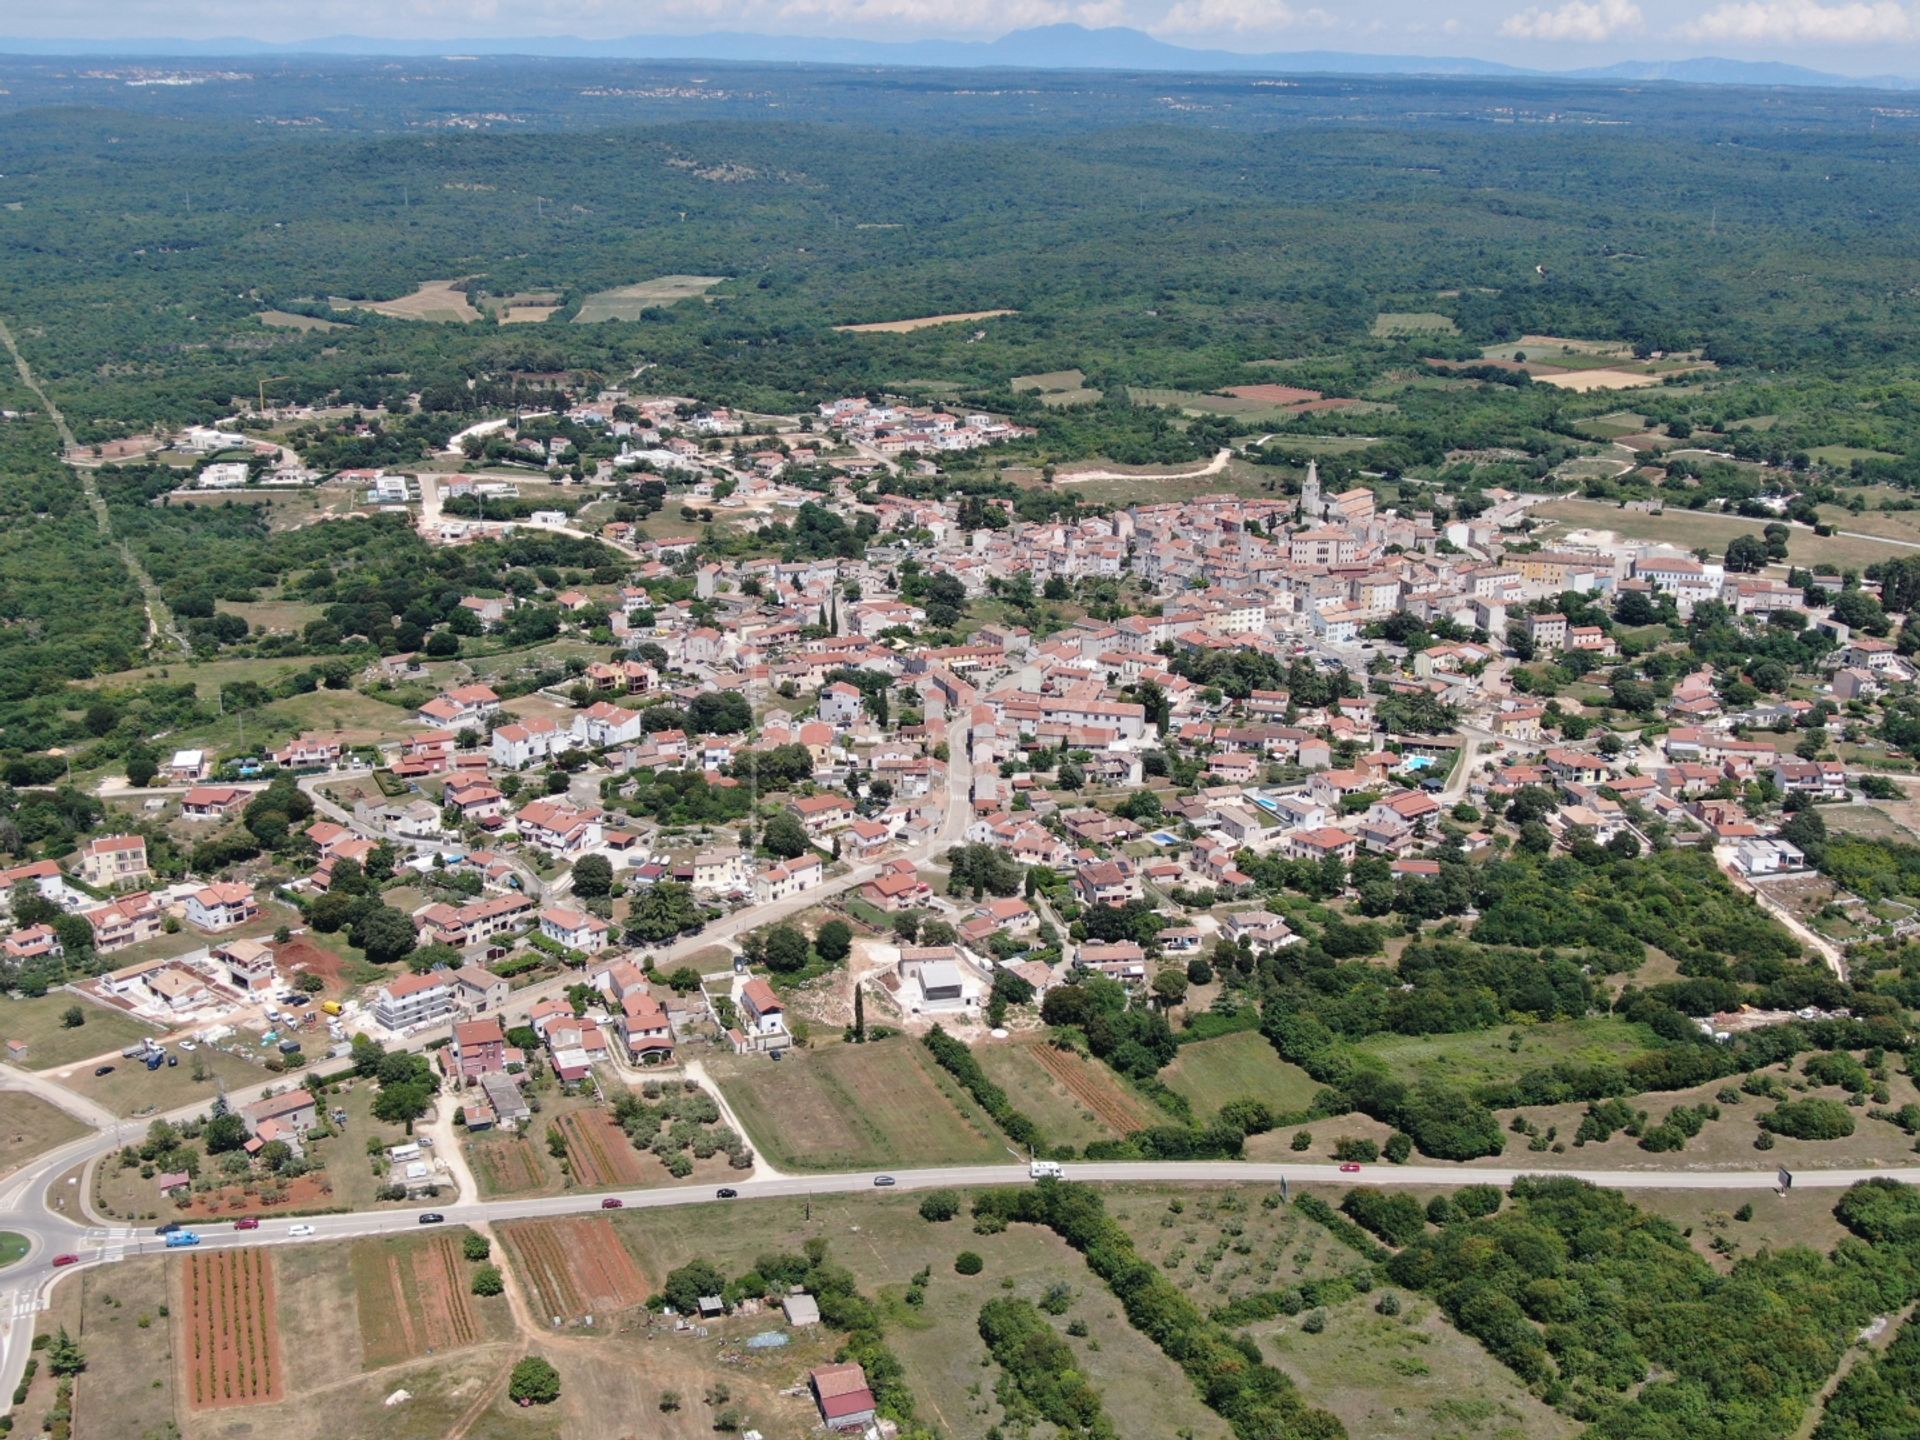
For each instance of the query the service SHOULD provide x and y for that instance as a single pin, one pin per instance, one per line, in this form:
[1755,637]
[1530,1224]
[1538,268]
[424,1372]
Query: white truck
[1045,1170]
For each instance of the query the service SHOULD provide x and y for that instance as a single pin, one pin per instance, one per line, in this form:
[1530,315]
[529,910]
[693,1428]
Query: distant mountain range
[1046,47]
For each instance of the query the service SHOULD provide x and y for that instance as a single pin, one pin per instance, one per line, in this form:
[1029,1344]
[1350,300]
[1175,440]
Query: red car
[247,1222]
[66,1260]
[612,1203]
[1350,1168]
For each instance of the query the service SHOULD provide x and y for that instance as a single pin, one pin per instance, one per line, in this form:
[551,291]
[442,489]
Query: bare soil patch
[300,956]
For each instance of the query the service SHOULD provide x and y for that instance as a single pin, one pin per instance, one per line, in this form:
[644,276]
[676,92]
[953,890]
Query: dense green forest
[1142,247]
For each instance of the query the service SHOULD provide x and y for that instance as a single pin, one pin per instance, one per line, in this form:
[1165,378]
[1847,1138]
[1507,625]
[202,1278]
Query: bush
[968,1262]
[1810,1119]
[939,1205]
[476,1247]
[487,1280]
[1351,1148]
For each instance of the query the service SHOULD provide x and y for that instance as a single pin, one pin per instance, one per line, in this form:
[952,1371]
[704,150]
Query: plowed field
[600,1151]
[575,1267]
[413,1298]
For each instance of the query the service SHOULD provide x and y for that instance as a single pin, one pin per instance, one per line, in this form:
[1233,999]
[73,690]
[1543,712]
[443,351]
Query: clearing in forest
[625,302]
[435,300]
[901,327]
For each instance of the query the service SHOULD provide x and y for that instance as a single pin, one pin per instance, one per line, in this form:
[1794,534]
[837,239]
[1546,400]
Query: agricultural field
[1234,1067]
[1391,323]
[837,1107]
[1058,387]
[1073,1099]
[902,327]
[412,1294]
[1411,1376]
[39,1022]
[433,300]
[575,1267]
[229,1336]
[598,1150]
[625,302]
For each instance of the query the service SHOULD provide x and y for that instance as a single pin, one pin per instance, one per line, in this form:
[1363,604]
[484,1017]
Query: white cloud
[1806,22]
[1588,21]
[1240,17]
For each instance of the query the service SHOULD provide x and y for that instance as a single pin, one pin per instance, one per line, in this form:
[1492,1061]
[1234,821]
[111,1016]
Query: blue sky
[1861,36]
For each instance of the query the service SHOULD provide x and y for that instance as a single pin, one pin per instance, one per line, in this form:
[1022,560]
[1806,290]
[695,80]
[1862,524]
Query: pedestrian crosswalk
[26,1304]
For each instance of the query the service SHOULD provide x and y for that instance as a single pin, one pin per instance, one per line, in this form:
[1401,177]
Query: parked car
[103,1070]
[726,1192]
[884,1180]
[247,1222]
[60,1260]
[300,1230]
[432,1217]
[1349,1168]
[612,1202]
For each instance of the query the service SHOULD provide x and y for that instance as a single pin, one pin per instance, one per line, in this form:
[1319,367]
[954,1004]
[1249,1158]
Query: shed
[801,1310]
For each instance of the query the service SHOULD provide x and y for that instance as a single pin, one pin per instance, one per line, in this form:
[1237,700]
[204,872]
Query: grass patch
[1410,1375]
[1233,1067]
[1503,1054]
[847,1107]
[287,320]
[132,1089]
[13,1248]
[32,1127]
[1688,530]
[883,1241]
[1847,454]
[50,1043]
[1073,1100]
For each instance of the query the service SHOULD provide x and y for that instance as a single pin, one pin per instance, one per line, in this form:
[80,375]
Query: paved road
[24,1200]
